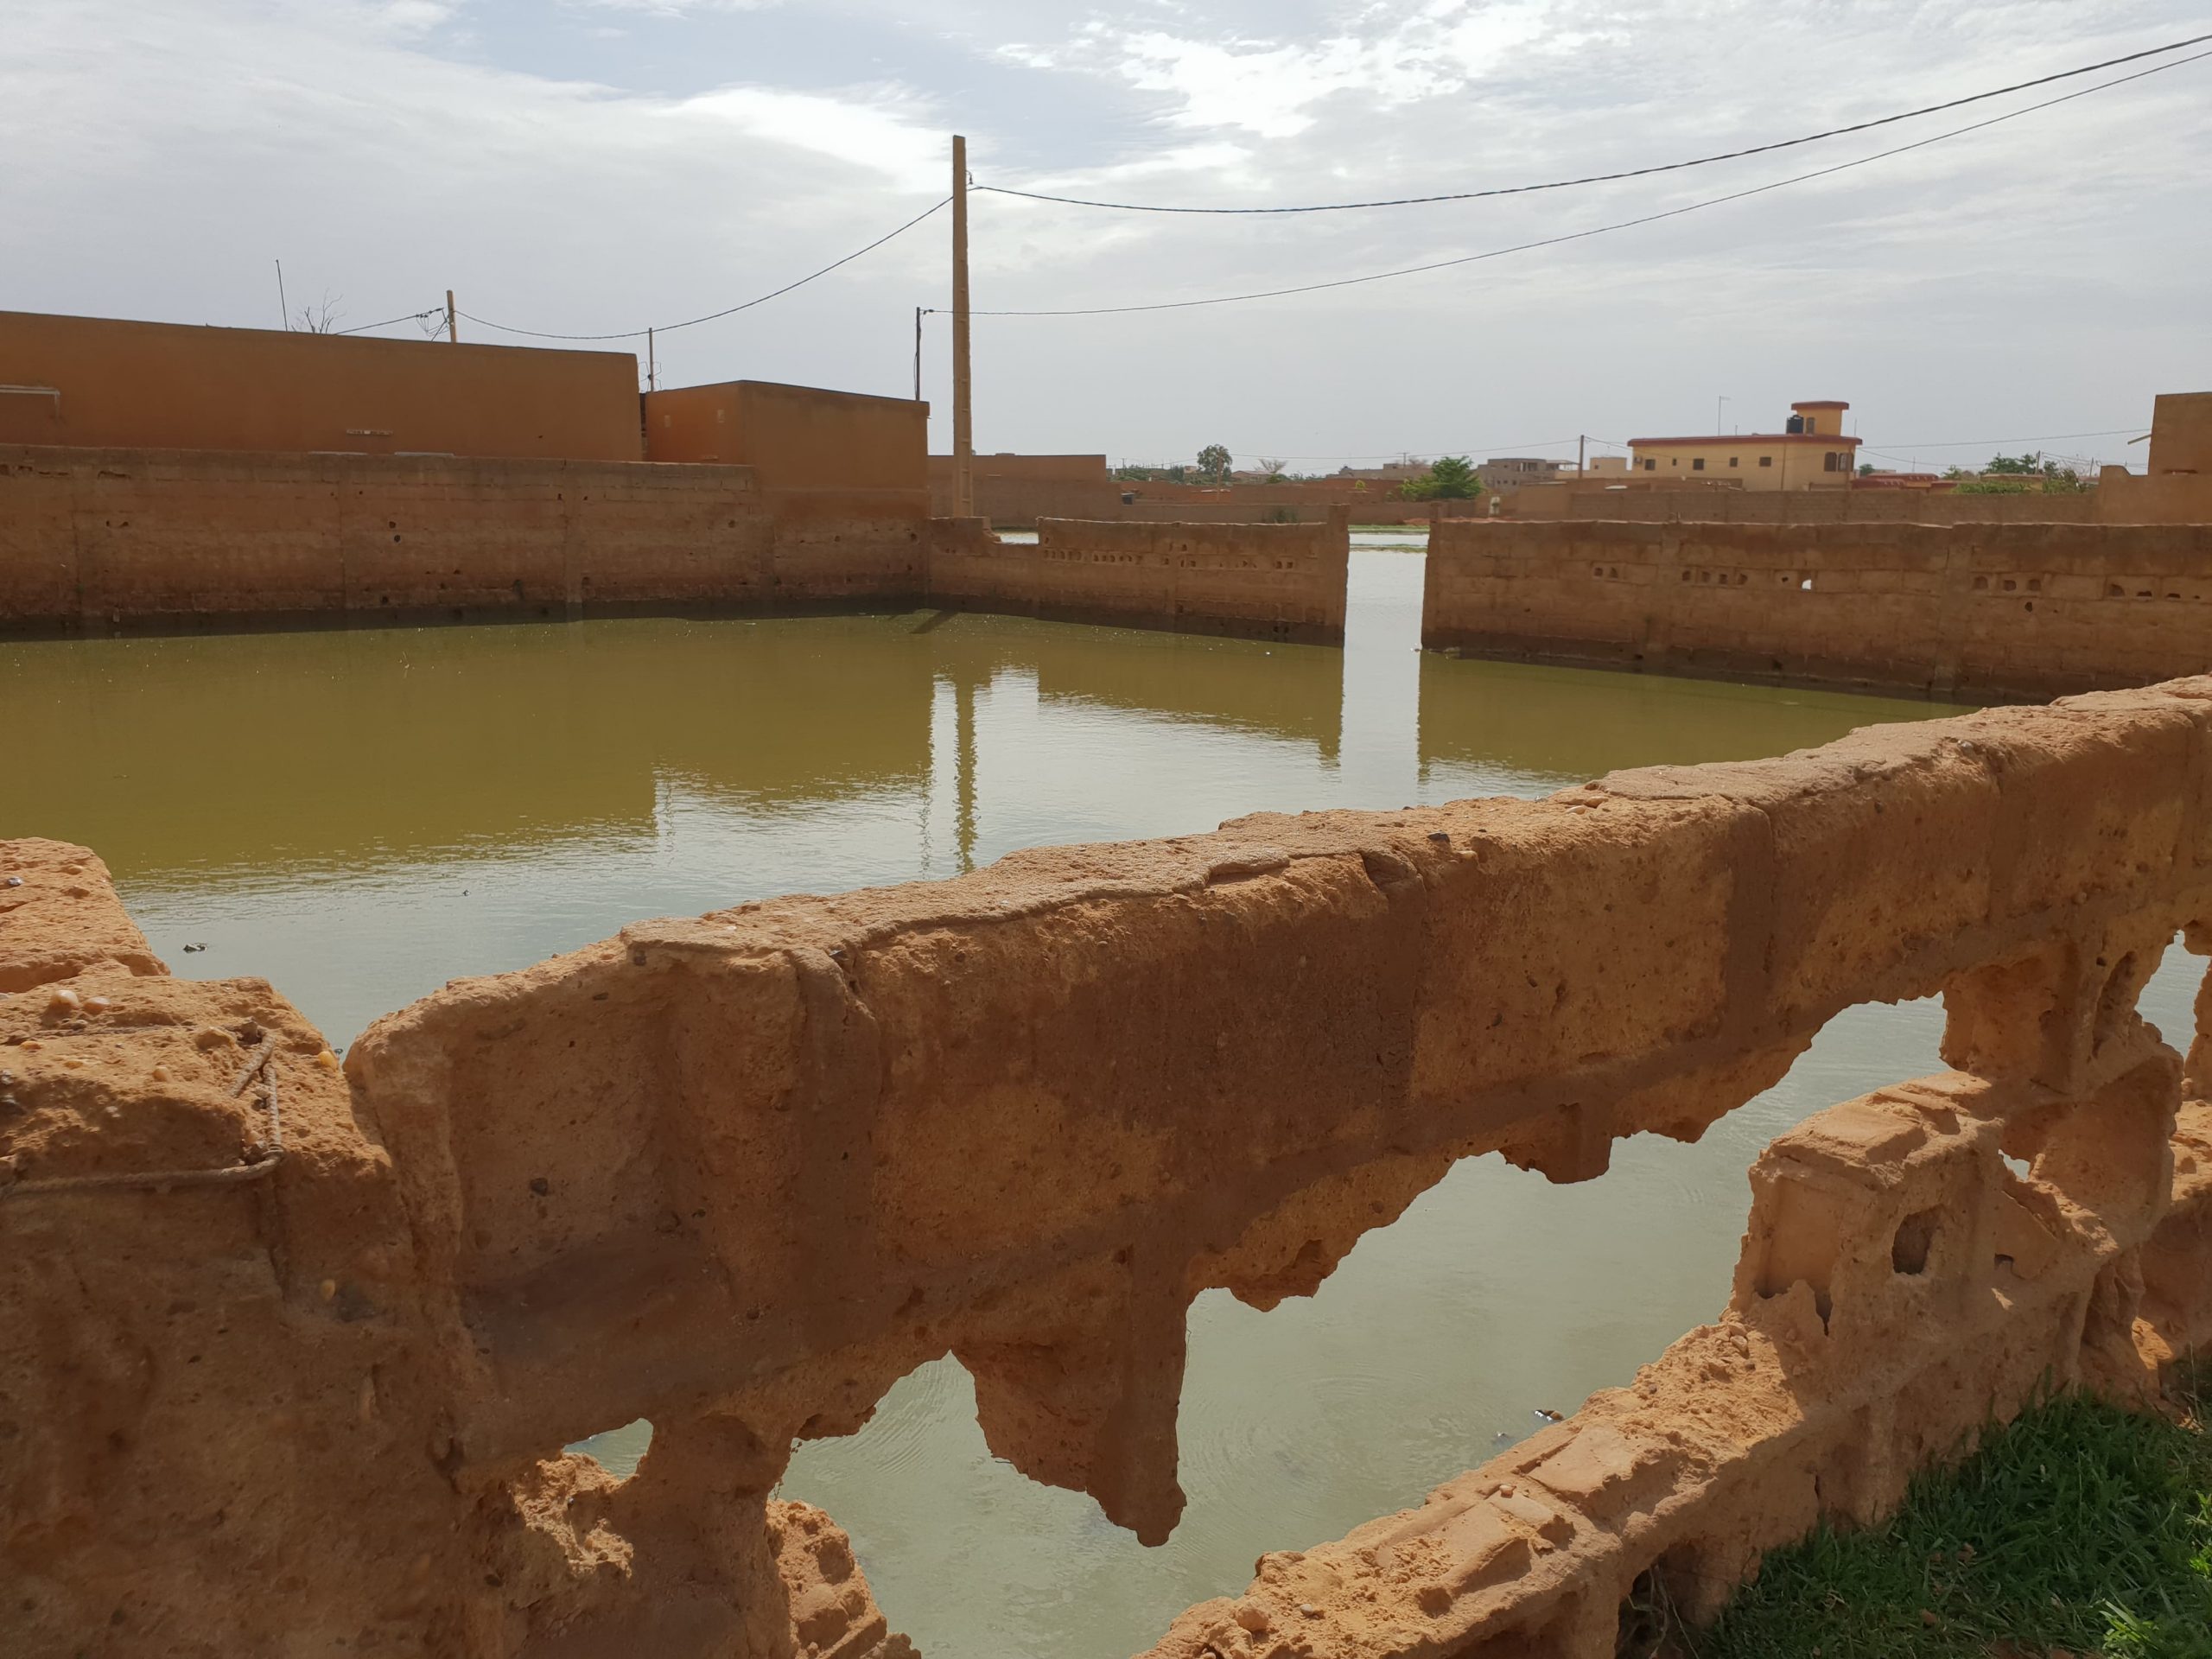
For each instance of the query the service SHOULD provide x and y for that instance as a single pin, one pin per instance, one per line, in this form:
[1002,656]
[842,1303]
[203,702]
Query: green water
[360,816]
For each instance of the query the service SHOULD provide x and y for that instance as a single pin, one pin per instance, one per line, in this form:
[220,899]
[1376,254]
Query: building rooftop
[1831,439]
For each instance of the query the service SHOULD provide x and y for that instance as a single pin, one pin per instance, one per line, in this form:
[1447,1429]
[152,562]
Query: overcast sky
[598,165]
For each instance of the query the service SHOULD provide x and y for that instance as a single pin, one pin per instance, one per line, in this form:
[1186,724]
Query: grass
[2080,1528]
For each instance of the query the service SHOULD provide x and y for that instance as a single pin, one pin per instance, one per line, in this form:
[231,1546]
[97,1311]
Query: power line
[727,311]
[1629,173]
[1394,455]
[412,316]
[2047,437]
[1599,229]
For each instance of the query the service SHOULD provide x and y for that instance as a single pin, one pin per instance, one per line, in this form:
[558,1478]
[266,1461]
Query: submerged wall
[738,1173]
[91,537]
[94,539]
[1966,611]
[1284,582]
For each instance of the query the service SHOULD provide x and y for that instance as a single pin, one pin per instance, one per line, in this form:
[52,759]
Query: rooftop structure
[1810,453]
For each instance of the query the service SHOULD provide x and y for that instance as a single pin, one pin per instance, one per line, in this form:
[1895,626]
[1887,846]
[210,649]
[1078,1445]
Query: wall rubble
[1991,611]
[738,1173]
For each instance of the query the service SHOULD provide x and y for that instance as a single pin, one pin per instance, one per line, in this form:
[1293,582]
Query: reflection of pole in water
[963,777]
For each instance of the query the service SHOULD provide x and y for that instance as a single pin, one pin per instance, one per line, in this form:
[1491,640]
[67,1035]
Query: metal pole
[283,310]
[964,425]
[452,333]
[917,353]
[1581,455]
[652,366]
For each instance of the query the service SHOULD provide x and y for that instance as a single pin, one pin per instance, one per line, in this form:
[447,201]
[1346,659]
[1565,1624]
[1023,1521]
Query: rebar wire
[163,1180]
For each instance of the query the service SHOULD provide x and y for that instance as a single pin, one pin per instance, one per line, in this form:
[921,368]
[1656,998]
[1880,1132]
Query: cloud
[1273,88]
[161,156]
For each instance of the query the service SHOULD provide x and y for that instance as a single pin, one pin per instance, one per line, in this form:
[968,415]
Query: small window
[1674,460]
[1698,466]
[1735,459]
[1766,460]
[1650,466]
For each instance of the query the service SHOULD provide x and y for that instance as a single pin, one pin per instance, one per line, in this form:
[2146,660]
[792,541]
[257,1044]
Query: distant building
[1810,453]
[1514,472]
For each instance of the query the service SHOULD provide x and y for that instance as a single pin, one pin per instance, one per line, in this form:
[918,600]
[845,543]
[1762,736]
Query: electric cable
[727,311]
[2047,437]
[1598,230]
[412,316]
[1628,173]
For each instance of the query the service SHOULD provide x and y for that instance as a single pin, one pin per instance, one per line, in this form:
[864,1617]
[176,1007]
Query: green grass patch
[2079,1529]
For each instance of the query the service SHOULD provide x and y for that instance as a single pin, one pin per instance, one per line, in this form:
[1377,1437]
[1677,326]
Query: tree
[1271,469]
[2025,465]
[1865,469]
[319,320]
[1214,463]
[1449,478]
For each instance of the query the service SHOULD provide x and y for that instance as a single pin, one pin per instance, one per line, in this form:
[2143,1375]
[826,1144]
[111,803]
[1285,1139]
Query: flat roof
[1752,437]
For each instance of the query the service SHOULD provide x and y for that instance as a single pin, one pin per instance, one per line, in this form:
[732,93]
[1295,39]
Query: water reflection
[360,817]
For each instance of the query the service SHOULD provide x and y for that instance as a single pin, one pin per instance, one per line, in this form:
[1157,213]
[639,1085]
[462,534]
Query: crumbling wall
[1992,611]
[738,1173]
[228,1397]
[1277,580]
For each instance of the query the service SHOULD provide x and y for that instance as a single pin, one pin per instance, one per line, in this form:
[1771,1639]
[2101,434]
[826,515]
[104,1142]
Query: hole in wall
[1915,1234]
[618,1450]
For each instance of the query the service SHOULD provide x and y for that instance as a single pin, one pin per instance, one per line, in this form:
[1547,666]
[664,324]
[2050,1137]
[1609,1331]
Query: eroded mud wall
[1991,611]
[737,1173]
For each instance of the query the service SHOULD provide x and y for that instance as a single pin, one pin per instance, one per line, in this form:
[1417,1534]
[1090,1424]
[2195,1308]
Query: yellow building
[1811,453]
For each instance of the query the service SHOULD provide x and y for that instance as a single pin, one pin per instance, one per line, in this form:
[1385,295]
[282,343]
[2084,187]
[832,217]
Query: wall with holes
[1981,611]
[1270,580]
[737,1174]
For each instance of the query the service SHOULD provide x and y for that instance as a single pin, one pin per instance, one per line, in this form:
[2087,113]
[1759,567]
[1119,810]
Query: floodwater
[362,816]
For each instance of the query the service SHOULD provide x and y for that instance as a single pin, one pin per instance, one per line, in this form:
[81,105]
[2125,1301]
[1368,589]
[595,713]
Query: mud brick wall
[91,538]
[1272,581]
[738,1173]
[1975,612]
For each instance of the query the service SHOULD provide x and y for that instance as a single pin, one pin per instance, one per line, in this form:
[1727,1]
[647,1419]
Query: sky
[597,166]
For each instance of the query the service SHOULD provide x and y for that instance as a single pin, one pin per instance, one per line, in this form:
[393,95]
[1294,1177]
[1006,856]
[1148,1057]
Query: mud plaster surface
[297,1344]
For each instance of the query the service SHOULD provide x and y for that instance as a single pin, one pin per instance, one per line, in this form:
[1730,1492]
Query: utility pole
[918,352]
[1718,404]
[452,333]
[963,418]
[1581,456]
[653,366]
[283,310]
